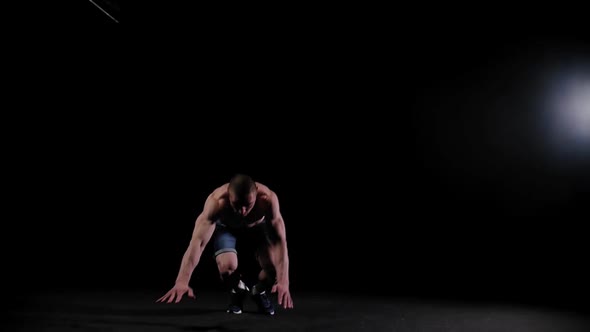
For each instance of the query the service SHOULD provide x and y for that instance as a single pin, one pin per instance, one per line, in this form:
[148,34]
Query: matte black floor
[137,311]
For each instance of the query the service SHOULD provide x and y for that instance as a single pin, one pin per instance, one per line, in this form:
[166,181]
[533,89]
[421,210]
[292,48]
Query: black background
[406,163]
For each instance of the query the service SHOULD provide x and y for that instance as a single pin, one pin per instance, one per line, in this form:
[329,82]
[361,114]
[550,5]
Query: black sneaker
[264,304]
[236,301]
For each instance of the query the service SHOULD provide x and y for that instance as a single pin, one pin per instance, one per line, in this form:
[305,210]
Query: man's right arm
[204,227]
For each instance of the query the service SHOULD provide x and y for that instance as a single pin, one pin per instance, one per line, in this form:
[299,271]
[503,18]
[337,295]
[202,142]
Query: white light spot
[573,111]
[567,113]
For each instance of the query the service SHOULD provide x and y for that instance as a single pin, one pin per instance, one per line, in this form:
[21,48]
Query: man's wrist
[181,282]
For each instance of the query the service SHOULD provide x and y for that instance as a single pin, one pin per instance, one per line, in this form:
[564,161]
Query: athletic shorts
[249,239]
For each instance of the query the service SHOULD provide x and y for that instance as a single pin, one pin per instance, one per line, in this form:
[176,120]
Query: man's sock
[258,288]
[242,286]
[232,282]
[262,286]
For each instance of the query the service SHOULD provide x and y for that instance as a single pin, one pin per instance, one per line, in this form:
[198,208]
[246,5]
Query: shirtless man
[241,210]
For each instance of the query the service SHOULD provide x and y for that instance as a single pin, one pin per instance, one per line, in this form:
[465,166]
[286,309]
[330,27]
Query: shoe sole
[264,312]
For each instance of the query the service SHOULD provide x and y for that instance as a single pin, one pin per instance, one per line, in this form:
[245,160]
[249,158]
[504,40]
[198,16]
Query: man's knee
[227,263]
[270,270]
[267,271]
[263,257]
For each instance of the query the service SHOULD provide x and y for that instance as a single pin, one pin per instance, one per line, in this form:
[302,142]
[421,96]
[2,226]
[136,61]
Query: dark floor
[137,311]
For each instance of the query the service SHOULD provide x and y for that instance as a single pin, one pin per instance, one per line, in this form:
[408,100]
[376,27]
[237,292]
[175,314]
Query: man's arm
[204,227]
[279,255]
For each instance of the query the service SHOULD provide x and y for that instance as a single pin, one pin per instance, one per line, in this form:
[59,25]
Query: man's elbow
[279,244]
[196,247]
[277,238]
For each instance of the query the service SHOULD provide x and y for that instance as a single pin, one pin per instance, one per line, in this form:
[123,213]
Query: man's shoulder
[218,198]
[219,192]
[215,203]
[266,196]
[264,190]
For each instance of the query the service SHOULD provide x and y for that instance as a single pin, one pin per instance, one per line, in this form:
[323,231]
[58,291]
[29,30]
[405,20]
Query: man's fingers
[163,298]
[274,289]
[175,294]
[287,301]
[284,299]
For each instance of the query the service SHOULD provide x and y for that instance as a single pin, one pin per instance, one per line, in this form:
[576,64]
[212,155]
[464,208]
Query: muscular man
[248,211]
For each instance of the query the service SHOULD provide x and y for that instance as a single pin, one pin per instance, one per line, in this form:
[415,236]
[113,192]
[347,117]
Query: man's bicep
[204,227]
[275,209]
[205,223]
[277,230]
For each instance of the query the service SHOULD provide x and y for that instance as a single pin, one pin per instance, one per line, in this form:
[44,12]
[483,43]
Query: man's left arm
[279,254]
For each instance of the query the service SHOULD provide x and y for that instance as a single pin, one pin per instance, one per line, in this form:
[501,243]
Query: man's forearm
[280,260]
[189,262]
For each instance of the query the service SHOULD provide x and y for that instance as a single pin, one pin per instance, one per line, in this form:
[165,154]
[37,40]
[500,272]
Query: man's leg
[266,279]
[227,264]
[267,274]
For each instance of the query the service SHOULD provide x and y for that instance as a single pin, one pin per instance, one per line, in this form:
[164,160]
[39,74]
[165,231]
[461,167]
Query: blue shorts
[251,239]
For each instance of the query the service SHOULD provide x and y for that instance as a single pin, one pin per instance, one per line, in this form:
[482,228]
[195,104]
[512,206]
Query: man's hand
[284,296]
[177,292]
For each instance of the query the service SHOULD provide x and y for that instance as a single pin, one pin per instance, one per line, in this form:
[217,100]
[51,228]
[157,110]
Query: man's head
[242,194]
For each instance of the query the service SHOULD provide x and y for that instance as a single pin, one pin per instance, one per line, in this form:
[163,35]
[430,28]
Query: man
[240,211]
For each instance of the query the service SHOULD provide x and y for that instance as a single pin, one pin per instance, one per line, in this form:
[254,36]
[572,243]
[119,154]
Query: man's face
[242,205]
